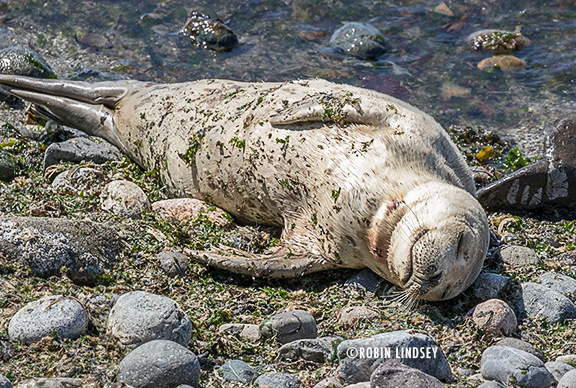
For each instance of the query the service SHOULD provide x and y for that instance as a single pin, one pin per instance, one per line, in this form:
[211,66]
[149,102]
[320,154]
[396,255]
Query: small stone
[495,317]
[568,380]
[289,326]
[563,284]
[360,40]
[503,363]
[184,210]
[490,286]
[51,383]
[124,198]
[492,384]
[329,382]
[236,370]
[246,331]
[497,41]
[160,364]
[39,319]
[522,345]
[568,359]
[139,317]
[365,280]
[502,62]
[443,9]
[464,372]
[173,263]
[94,40]
[355,368]
[538,300]
[208,33]
[393,374]
[277,380]
[558,369]
[350,316]
[5,382]
[519,256]
[7,166]
[81,149]
[77,179]
[316,350]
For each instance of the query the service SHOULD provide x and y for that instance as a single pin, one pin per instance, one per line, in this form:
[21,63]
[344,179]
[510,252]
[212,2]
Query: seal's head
[432,243]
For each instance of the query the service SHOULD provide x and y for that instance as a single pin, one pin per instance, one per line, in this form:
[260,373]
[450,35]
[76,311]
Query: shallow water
[429,65]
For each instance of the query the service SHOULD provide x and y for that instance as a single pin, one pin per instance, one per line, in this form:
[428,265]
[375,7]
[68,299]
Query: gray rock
[393,374]
[21,60]
[567,359]
[4,382]
[81,149]
[495,317]
[125,199]
[350,316]
[139,317]
[505,364]
[558,369]
[77,179]
[315,350]
[518,256]
[490,286]
[568,380]
[358,360]
[47,245]
[160,364]
[365,280]
[360,40]
[7,166]
[522,345]
[247,331]
[41,318]
[464,372]
[236,370]
[492,384]
[563,284]
[538,300]
[277,380]
[330,382]
[173,263]
[289,326]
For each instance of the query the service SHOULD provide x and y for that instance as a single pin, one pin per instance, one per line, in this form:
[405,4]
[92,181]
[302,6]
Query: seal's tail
[88,107]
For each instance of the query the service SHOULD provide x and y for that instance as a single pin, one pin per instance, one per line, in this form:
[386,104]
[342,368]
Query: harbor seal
[355,178]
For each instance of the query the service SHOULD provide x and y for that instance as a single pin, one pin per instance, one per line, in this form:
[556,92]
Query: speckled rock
[538,300]
[289,326]
[7,166]
[365,280]
[315,350]
[139,317]
[39,319]
[173,263]
[357,360]
[52,383]
[48,245]
[558,369]
[77,179]
[568,380]
[350,316]
[277,380]
[247,331]
[236,370]
[561,283]
[359,39]
[393,374]
[497,41]
[503,363]
[490,286]
[124,198]
[330,382]
[5,382]
[81,149]
[160,364]
[20,60]
[495,317]
[522,345]
[183,210]
[518,256]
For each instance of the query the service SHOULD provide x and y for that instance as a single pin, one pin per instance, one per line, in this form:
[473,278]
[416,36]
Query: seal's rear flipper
[281,264]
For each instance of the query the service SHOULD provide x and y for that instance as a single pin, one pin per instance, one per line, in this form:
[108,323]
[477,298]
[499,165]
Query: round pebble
[20,60]
[246,331]
[277,380]
[540,301]
[490,285]
[360,40]
[160,364]
[173,263]
[518,256]
[183,210]
[503,363]
[502,62]
[315,350]
[139,317]
[350,316]
[561,283]
[393,374]
[236,370]
[568,380]
[39,319]
[125,199]
[289,326]
[495,317]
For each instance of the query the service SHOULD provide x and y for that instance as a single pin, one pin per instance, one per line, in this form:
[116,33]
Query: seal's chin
[438,247]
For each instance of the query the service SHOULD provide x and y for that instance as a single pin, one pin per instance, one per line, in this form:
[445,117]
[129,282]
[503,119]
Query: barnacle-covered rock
[497,41]
[208,33]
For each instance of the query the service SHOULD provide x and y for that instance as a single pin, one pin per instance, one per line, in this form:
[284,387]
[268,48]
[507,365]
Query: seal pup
[355,177]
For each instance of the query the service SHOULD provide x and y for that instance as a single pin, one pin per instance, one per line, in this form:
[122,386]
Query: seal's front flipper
[281,264]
